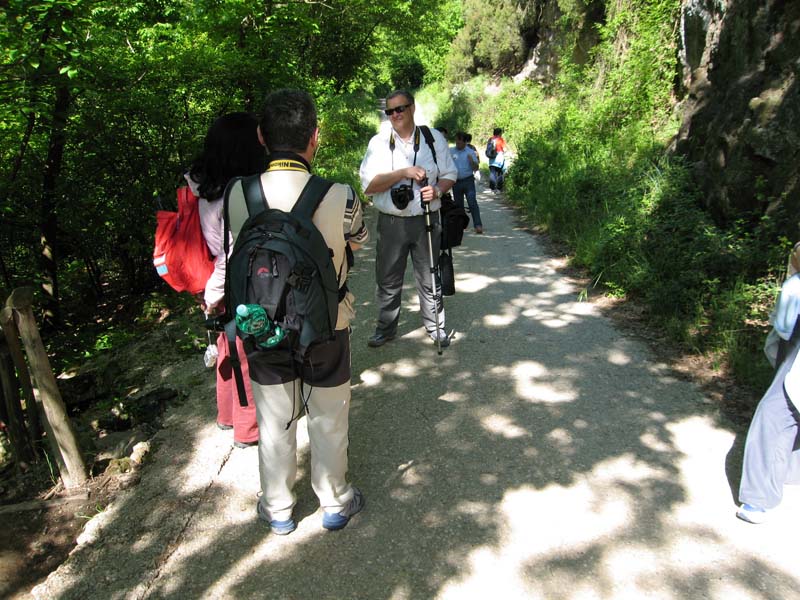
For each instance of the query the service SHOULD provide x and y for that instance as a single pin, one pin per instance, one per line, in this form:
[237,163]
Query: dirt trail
[544,455]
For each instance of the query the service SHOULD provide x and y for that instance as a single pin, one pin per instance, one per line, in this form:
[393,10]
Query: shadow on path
[543,455]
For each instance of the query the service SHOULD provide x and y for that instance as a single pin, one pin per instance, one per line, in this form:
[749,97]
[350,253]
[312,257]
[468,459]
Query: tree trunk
[48,218]
[74,472]
[5,273]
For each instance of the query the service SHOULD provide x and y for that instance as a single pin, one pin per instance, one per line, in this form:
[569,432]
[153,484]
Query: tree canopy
[104,104]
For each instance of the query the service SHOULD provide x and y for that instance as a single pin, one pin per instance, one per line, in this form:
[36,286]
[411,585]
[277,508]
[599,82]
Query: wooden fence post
[33,406]
[74,473]
[18,435]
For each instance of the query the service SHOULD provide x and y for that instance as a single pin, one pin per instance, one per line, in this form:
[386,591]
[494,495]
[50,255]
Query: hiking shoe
[443,339]
[245,444]
[479,230]
[278,527]
[223,426]
[379,339]
[335,521]
[752,514]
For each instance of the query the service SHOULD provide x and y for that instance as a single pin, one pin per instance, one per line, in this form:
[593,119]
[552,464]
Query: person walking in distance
[284,382]
[495,154]
[466,161]
[404,166]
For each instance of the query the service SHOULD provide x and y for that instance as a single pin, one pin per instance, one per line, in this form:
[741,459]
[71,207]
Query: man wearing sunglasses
[401,171]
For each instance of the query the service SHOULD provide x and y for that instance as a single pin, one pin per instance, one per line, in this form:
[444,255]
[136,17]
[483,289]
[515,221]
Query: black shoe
[379,339]
[245,444]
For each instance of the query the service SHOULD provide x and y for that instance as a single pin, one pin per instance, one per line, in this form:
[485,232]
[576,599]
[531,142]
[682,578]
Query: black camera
[216,322]
[402,195]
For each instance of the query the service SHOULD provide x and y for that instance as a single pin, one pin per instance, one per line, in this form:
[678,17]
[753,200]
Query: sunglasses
[397,109]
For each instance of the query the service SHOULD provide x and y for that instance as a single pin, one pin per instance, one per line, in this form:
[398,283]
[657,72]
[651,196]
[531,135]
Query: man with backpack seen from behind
[466,161]
[495,154]
[284,381]
[404,166]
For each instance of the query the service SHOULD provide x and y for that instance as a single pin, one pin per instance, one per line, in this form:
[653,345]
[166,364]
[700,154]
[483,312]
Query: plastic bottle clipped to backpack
[253,319]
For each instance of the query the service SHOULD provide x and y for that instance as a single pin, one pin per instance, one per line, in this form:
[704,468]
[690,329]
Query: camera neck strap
[392,146]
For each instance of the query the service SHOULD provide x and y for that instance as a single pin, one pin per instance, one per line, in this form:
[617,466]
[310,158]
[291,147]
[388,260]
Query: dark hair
[288,120]
[230,149]
[405,93]
[462,136]
[443,131]
[468,138]
[497,131]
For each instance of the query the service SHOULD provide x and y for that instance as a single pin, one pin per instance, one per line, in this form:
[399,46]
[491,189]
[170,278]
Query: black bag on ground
[281,262]
[447,277]
[454,222]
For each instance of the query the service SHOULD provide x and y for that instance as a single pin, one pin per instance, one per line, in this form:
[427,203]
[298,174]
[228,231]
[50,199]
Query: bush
[407,72]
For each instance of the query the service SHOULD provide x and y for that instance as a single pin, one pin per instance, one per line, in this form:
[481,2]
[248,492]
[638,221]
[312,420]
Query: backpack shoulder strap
[254,197]
[426,133]
[233,213]
[315,190]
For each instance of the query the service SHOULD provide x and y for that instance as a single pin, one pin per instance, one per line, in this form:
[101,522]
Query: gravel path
[543,455]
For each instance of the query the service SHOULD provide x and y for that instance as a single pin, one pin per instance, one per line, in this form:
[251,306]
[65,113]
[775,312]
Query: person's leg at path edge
[492,177]
[472,201]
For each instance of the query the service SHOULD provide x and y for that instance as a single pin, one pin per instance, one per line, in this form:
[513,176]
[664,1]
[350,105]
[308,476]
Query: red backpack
[181,255]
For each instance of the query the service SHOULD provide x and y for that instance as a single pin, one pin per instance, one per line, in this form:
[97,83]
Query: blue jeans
[496,177]
[466,187]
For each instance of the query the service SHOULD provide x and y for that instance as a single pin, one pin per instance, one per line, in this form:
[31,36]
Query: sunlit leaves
[145,80]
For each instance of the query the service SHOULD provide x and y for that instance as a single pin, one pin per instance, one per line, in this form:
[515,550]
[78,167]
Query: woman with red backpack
[231,149]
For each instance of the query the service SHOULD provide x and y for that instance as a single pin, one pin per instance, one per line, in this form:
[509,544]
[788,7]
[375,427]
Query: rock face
[741,111]
[738,66]
[543,33]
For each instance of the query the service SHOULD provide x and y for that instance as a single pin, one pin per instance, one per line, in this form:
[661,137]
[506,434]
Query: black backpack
[491,150]
[281,262]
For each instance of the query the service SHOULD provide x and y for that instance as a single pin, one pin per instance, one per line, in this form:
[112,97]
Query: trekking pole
[426,209]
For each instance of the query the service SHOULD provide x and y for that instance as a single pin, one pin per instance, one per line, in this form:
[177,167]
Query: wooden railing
[35,380]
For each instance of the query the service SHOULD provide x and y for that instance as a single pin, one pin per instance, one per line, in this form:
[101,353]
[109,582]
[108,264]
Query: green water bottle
[253,319]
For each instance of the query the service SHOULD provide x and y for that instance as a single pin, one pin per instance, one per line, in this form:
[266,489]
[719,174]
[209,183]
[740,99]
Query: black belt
[433,212]
[465,178]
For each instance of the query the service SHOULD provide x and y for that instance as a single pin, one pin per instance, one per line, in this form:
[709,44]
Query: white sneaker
[752,514]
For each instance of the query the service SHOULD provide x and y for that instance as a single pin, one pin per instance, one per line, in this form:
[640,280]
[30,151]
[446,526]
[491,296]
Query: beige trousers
[328,411]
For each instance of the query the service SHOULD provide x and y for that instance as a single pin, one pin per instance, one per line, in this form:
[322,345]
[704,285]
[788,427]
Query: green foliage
[491,40]
[591,166]
[407,72]
[346,124]
[105,104]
